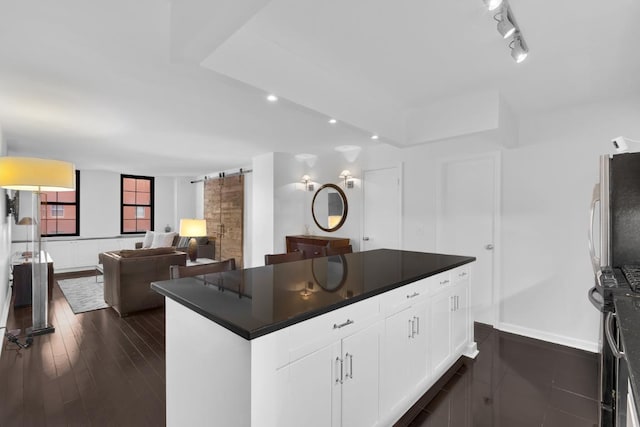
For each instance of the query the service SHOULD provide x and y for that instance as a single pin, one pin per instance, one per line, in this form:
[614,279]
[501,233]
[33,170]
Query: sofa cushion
[136,253]
[162,240]
[148,239]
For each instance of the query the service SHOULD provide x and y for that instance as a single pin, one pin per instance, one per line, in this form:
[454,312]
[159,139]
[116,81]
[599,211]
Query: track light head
[505,25]
[492,4]
[519,49]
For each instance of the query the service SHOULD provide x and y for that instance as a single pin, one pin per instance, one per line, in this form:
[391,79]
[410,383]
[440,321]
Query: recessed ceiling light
[272,98]
[333,121]
[374,137]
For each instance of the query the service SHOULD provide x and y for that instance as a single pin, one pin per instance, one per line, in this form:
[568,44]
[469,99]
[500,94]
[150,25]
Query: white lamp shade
[193,227]
[33,174]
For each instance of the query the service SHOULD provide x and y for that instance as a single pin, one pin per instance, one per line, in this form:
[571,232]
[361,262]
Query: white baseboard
[547,336]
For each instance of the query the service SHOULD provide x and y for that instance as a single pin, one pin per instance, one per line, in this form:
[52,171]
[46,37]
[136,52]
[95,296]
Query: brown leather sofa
[128,275]
[206,246]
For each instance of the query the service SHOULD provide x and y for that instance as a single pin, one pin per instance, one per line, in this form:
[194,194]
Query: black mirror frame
[344,214]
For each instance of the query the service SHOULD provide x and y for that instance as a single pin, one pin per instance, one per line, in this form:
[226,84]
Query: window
[60,211]
[137,203]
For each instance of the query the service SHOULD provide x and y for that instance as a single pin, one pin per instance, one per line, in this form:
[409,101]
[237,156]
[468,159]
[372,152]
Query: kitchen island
[350,340]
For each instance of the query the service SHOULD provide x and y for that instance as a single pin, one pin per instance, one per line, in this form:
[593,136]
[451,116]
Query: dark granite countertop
[628,315]
[256,301]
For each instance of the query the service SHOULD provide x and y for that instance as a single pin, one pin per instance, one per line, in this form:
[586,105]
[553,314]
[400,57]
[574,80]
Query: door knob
[489,247]
[366,239]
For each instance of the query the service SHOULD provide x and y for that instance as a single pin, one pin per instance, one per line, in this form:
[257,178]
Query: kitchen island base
[364,364]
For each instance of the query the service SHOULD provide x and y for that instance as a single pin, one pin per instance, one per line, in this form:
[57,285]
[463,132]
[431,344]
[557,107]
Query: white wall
[5,255]
[547,180]
[100,204]
[262,202]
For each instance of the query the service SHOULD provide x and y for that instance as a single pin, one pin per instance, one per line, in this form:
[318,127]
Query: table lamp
[26,220]
[193,228]
[37,175]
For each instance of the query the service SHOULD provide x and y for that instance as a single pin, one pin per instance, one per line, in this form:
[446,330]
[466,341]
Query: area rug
[83,294]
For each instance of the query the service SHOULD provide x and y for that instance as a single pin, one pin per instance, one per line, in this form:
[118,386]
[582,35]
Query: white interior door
[381,212]
[466,225]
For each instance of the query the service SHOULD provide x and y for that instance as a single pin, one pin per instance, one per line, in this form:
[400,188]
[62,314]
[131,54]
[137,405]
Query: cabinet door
[314,389]
[360,385]
[459,318]
[419,344]
[394,369]
[440,330]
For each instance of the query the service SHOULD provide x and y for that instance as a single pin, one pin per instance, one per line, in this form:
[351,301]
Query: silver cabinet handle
[342,325]
[413,295]
[489,247]
[410,328]
[464,273]
[417,325]
[444,282]
[338,377]
[452,303]
[608,331]
[350,374]
[413,327]
[366,239]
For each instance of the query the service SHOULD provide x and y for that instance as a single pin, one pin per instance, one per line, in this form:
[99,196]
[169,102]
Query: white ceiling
[117,85]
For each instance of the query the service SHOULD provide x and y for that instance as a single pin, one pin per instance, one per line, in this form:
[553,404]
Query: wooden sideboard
[312,245]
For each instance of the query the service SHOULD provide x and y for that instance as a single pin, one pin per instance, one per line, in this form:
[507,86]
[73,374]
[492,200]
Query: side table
[22,279]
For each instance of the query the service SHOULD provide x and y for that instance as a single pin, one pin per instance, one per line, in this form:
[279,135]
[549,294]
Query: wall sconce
[346,175]
[308,185]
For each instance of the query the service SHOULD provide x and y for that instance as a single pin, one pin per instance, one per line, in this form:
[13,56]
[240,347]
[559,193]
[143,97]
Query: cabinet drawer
[313,334]
[440,281]
[398,298]
[310,251]
[460,273]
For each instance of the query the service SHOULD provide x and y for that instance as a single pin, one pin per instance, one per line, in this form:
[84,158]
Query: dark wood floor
[98,369]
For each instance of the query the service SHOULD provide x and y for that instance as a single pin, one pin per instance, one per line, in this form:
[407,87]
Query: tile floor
[514,382]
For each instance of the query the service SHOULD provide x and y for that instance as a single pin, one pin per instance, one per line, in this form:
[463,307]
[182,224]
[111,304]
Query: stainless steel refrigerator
[614,244]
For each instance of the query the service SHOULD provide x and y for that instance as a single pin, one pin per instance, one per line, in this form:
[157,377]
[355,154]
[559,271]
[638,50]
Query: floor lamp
[37,176]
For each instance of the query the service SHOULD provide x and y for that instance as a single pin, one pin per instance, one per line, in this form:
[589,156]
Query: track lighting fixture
[492,4]
[508,27]
[505,26]
[519,49]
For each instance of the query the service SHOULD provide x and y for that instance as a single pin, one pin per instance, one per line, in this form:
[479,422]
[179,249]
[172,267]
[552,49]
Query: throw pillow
[148,239]
[183,242]
[162,240]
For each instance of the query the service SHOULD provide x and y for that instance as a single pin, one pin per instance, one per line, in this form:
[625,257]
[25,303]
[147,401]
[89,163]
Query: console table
[312,245]
[21,267]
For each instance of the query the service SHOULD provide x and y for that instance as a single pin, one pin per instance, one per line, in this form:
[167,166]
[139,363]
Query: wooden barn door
[224,212]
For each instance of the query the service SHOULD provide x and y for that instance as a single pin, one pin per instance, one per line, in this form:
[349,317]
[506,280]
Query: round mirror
[329,207]
[330,273]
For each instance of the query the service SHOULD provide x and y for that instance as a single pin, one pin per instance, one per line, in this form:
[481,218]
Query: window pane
[147,213]
[144,224]
[129,198]
[50,226]
[144,185]
[66,196]
[66,226]
[143,198]
[129,212]
[129,225]
[129,184]
[70,212]
[49,196]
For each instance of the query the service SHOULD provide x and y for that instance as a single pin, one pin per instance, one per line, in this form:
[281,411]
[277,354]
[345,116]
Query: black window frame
[151,205]
[76,204]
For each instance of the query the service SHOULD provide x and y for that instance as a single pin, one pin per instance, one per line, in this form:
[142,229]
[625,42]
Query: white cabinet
[404,354]
[313,389]
[449,329]
[336,385]
[83,253]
